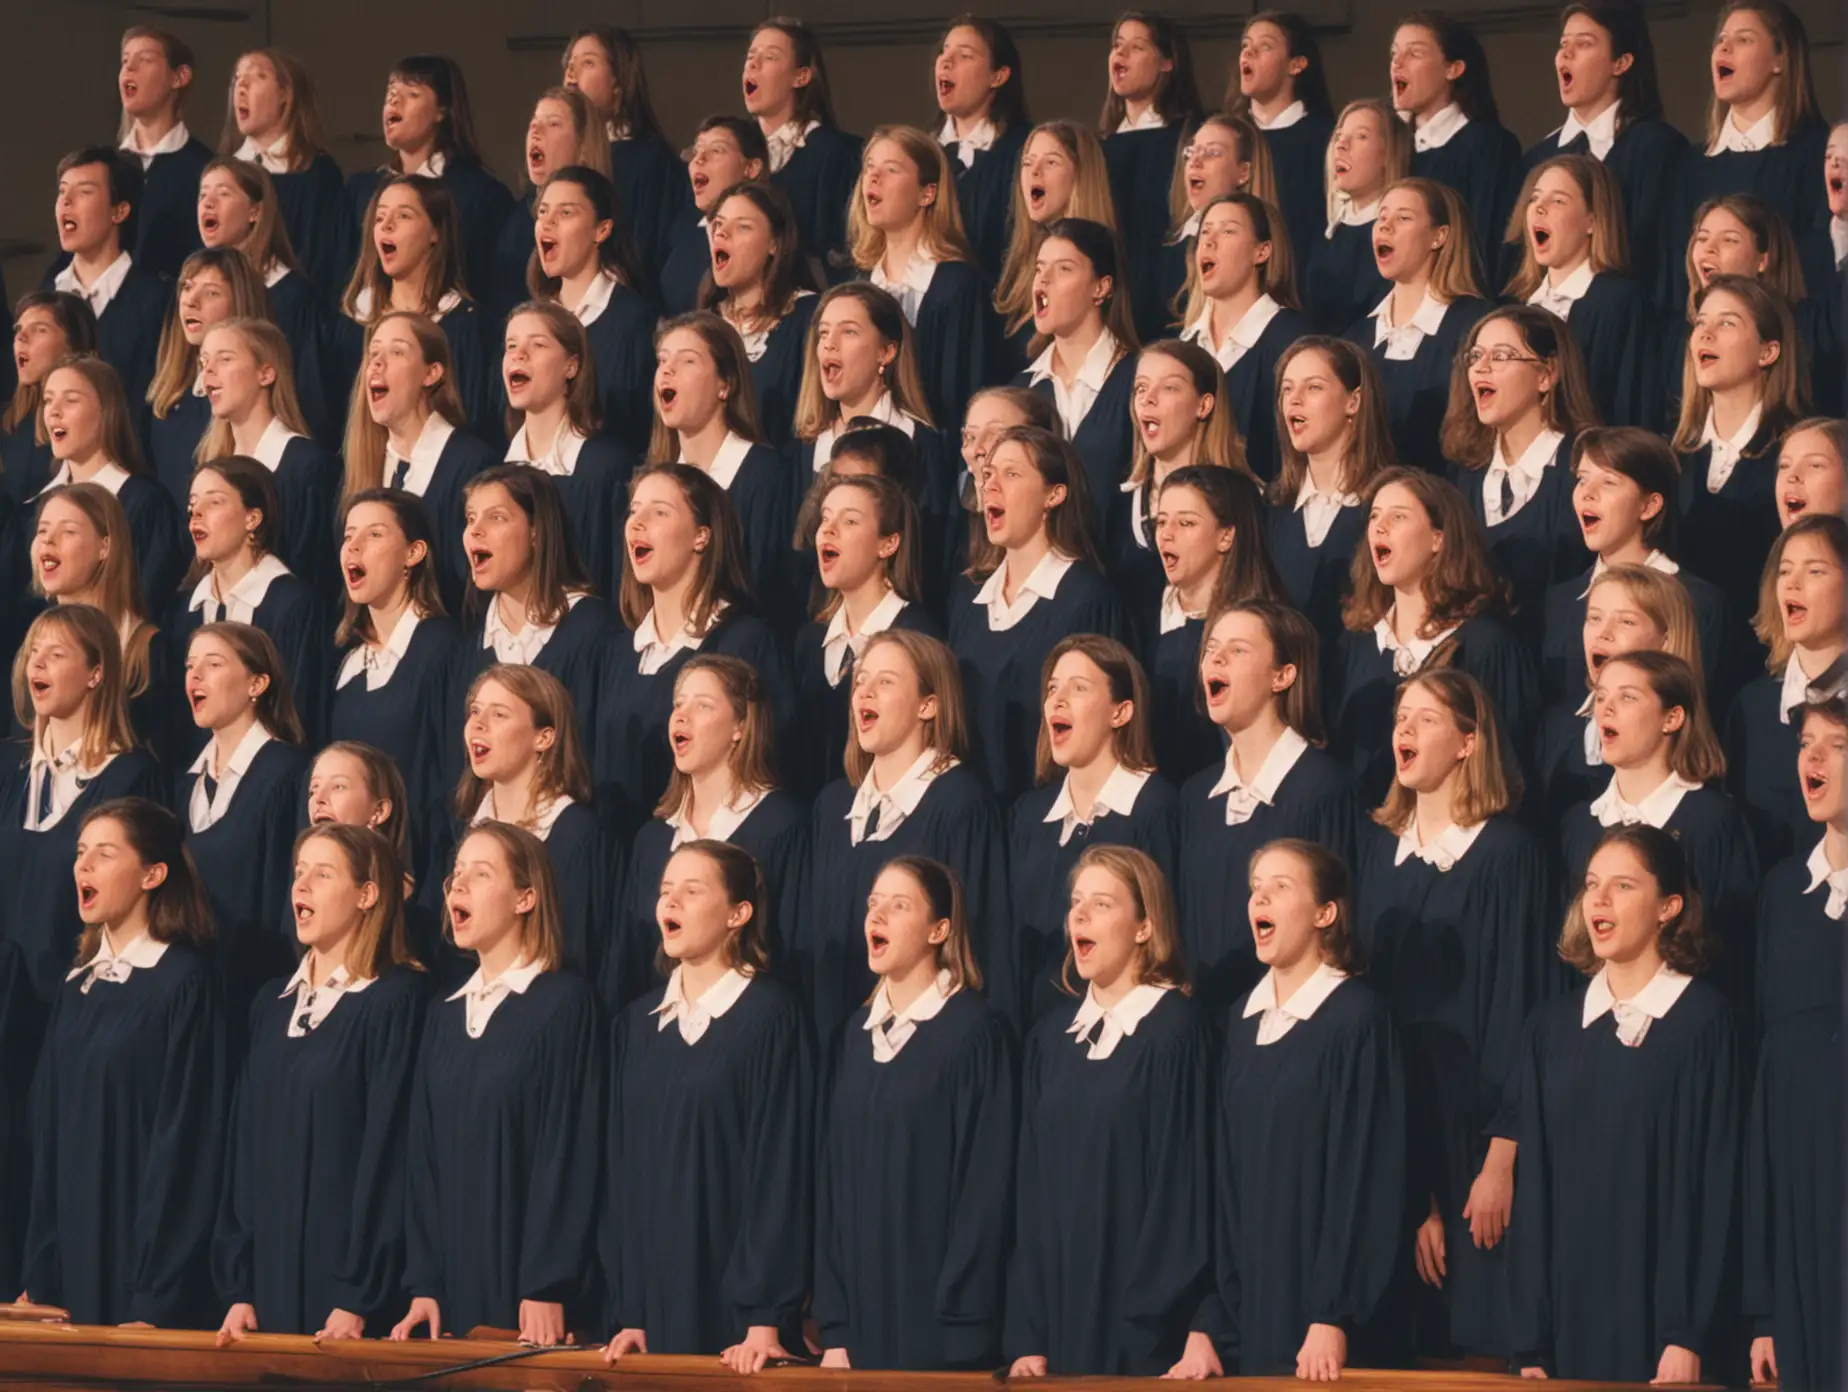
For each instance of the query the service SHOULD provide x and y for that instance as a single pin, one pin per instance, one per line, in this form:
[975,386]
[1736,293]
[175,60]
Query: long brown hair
[255,487]
[120,441]
[384,783]
[1176,98]
[1610,237]
[444,271]
[1067,523]
[1131,744]
[1329,883]
[786,271]
[267,243]
[592,150]
[1294,643]
[301,113]
[1158,961]
[945,902]
[1683,942]
[1216,439]
[1236,500]
[553,567]
[1100,245]
[562,770]
[413,520]
[1395,139]
[894,513]
[1453,273]
[1091,199]
[1783,391]
[1369,453]
[814,100]
[1771,238]
[1276,276]
[77,322]
[732,365]
[256,652]
[720,576]
[1250,148]
[1796,89]
[106,728]
[583,410]
[366,439]
[947,733]
[633,108]
[742,879]
[178,908]
[1567,406]
[1487,785]
[529,864]
[176,364]
[1461,583]
[1768,622]
[814,412]
[118,582]
[378,944]
[752,763]
[270,347]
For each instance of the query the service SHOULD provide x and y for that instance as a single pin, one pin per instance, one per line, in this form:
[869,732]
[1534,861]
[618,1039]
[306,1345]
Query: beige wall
[60,87]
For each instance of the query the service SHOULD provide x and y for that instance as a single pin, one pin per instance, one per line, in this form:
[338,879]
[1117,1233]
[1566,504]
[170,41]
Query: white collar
[1347,213]
[1439,130]
[911,287]
[1173,614]
[1150,119]
[1551,294]
[241,602]
[1093,372]
[885,411]
[203,812]
[695,1017]
[786,139]
[835,641]
[1427,319]
[109,965]
[560,461]
[1760,135]
[270,446]
[1409,656]
[1242,798]
[111,476]
[1307,998]
[1309,493]
[898,802]
[241,757]
[967,147]
[520,649]
[68,777]
[363,303]
[1635,1015]
[1798,684]
[1118,795]
[1611,810]
[724,822]
[656,650]
[339,979]
[380,663]
[426,454]
[315,1003]
[1283,120]
[1821,873]
[1838,238]
[597,297]
[541,826]
[1241,338]
[1443,851]
[433,167]
[1119,1020]
[1600,133]
[892,1029]
[1655,560]
[1042,582]
[275,275]
[103,289]
[1539,455]
[274,158]
[169,144]
[727,461]
[1723,455]
[481,997]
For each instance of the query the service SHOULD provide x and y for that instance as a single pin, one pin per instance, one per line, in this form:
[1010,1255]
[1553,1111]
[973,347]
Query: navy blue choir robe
[1039,872]
[1140,164]
[1623,1221]
[172,441]
[1562,643]
[152,711]
[651,190]
[1342,282]
[1174,259]
[1822,321]
[25,460]
[474,372]
[1460,957]
[1309,1168]
[686,261]
[985,193]
[22,1025]
[916,1157]
[776,833]
[622,344]
[708,1226]
[1559,775]
[325,236]
[128,334]
[311,1219]
[776,372]
[296,307]
[1418,388]
[1793,1140]
[1102,440]
[632,759]
[167,218]
[819,180]
[1761,768]
[1316,579]
[1185,740]
[464,455]
[504,1160]
[1725,537]
[1482,162]
[1130,558]
[1299,156]
[760,496]
[246,862]
[514,244]
[127,1129]
[481,202]
[957,823]
[595,495]
[1113,1199]
[1360,699]
[1002,687]
[952,336]
[1788,177]
[1615,326]
[1251,388]
[821,710]
[587,864]
[1540,545]
[1723,861]
[38,896]
[576,654]
[308,485]
[1314,802]
[162,546]
[1647,159]
[296,621]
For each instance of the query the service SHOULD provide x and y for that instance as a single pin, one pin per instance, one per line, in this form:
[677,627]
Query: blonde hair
[270,347]
[1453,275]
[530,865]
[267,243]
[1276,276]
[1768,621]
[941,235]
[946,902]
[379,943]
[731,362]
[593,146]
[1664,602]
[1395,135]
[1486,785]
[1781,388]
[1250,148]
[176,365]
[1132,744]
[118,581]
[364,446]
[1158,961]
[121,443]
[301,114]
[946,734]
[1091,199]
[1217,443]
[1610,238]
[1796,102]
[106,728]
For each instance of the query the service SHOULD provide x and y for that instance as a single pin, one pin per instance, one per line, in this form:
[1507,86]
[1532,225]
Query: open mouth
[1343,166]
[208,223]
[1246,71]
[945,89]
[1565,79]
[1170,563]
[1042,302]
[750,87]
[535,158]
[304,913]
[479,559]
[994,517]
[640,553]
[1601,926]
[1706,357]
[1795,612]
[1815,784]
[198,533]
[873,200]
[518,380]
[1208,264]
[1542,235]
[388,249]
[48,566]
[1059,728]
[243,114]
[1607,734]
[1838,184]
[1794,503]
[876,941]
[59,434]
[1196,185]
[667,396]
[700,183]
[1083,947]
[1263,929]
[1150,428]
[459,916]
[40,687]
[1399,88]
[548,249]
[1382,553]
[831,371]
[377,392]
[1597,654]
[1484,395]
[828,553]
[1590,521]
[196,699]
[721,258]
[393,120]
[681,740]
[1036,198]
[1723,71]
[67,226]
[670,927]
[192,323]
[1706,268]
[1119,73]
[1404,755]
[1383,253]
[1216,690]
[864,718]
[478,750]
[355,576]
[86,895]
[320,816]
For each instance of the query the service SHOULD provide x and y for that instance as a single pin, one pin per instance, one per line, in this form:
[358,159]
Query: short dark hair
[127,182]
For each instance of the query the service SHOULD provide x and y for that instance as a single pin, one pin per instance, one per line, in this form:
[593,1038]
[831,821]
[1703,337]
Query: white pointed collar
[1600,133]
[1442,851]
[1821,873]
[1413,653]
[1042,582]
[836,641]
[1655,560]
[1119,1020]
[1724,454]
[1118,795]
[1558,297]
[885,411]
[1635,1015]
[240,604]
[380,663]
[1241,338]
[1654,810]
[169,144]
[1760,135]
[1439,130]
[722,825]
[727,461]
[112,966]
[274,158]
[1150,119]
[967,147]
[541,826]
[1242,798]
[1304,1001]
[892,1029]
[1283,120]
[695,1017]
[1798,685]
[1348,213]
[272,444]
[560,460]
[1173,609]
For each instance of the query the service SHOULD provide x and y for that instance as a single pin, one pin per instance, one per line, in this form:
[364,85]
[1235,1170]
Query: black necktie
[399,474]
[211,788]
[1092,1035]
[846,674]
[872,823]
[1507,495]
[48,776]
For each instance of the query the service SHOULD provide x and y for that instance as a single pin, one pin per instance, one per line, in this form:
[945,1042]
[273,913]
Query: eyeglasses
[1500,357]
[1211,152]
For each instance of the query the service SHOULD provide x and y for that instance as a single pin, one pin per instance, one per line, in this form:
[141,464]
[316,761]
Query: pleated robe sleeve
[1520,903]
[423,1246]
[565,1167]
[233,1239]
[177,1205]
[622,1291]
[980,858]
[970,1288]
[767,1274]
[40,1272]
[1026,1329]
[1530,1256]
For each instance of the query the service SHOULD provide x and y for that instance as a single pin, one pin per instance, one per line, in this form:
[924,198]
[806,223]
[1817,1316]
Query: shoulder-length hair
[786,273]
[1664,601]
[1771,238]
[894,514]
[1007,104]
[413,520]
[561,769]
[118,581]
[742,880]
[1768,622]
[946,734]
[1294,643]
[1473,92]
[616,253]
[1694,751]
[1329,883]
[455,128]
[1310,86]
[270,347]
[255,487]
[1487,785]
[588,129]
[941,232]
[178,908]
[301,112]
[814,100]
[1461,582]
[529,864]
[1644,458]
[1216,439]
[384,783]
[256,652]
[945,903]
[1370,451]
[752,761]
[364,446]
[814,412]
[1250,148]
[1131,743]
[720,576]
[1782,390]
[1684,943]
[1091,199]
[1395,138]
[634,113]
[1068,522]
[554,570]
[1453,273]
[1796,87]
[445,270]
[1158,961]
[267,244]
[106,727]
[1639,91]
[1177,96]
[1567,406]
[1610,237]
[731,362]
[1100,245]
[121,443]
[77,322]
[379,943]
[1276,276]
[583,411]
[1236,500]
